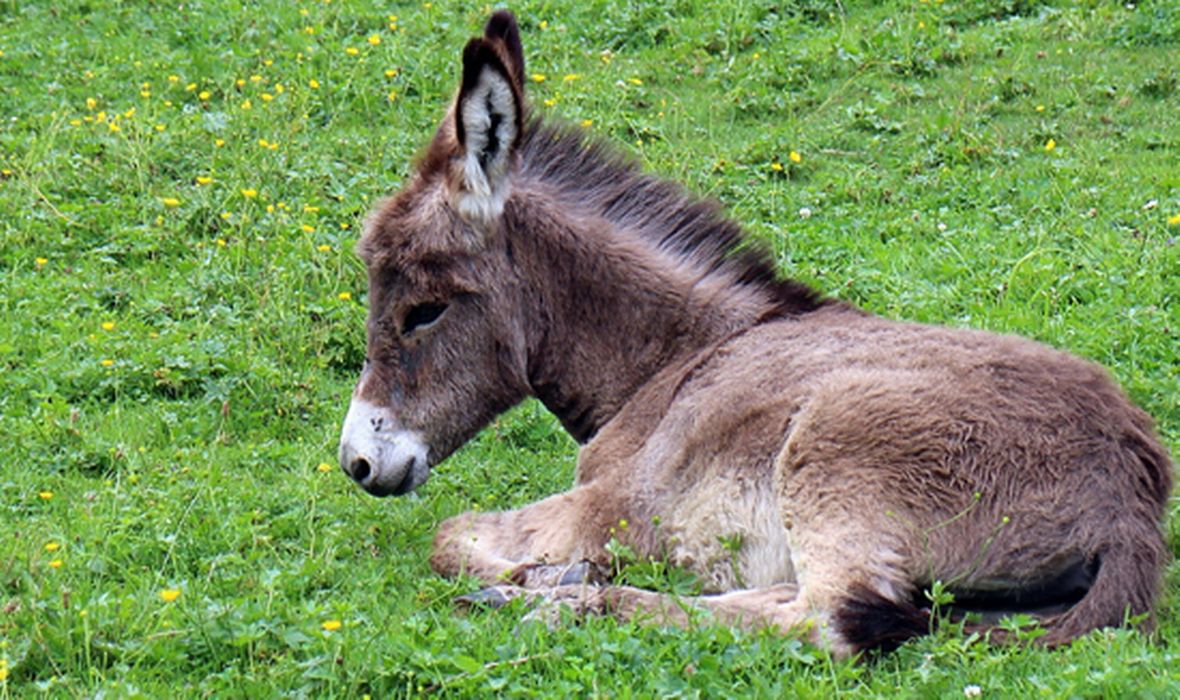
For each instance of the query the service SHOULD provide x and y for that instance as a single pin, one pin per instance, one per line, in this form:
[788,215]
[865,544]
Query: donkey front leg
[551,542]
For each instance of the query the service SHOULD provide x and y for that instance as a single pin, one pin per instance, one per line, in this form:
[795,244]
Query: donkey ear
[502,27]
[487,127]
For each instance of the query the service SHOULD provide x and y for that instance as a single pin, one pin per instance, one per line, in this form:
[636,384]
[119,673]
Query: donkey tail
[1125,587]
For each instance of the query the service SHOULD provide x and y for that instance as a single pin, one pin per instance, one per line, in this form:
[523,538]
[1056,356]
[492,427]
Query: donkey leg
[540,545]
[749,609]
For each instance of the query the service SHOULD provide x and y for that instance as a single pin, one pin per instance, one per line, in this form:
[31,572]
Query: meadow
[182,315]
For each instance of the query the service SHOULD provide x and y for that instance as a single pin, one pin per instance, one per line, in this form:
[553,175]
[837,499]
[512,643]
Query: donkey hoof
[584,572]
[493,597]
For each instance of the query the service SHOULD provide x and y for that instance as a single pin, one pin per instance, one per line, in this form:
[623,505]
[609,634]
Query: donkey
[855,460]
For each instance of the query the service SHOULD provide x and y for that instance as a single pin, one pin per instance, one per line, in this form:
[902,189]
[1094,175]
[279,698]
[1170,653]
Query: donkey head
[446,346]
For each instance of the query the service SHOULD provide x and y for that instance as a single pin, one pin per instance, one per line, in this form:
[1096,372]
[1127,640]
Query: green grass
[176,356]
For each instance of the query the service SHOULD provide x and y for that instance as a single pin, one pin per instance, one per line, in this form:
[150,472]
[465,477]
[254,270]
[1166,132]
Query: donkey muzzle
[380,455]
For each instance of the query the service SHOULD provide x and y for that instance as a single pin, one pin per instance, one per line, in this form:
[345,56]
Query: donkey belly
[727,531]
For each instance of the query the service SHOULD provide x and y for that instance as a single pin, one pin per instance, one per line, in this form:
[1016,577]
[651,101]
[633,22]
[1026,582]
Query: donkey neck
[607,310]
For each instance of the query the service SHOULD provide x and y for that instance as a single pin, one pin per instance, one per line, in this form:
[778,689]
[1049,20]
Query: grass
[181,317]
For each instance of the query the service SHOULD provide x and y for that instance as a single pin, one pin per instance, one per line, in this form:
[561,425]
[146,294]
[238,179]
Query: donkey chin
[379,454]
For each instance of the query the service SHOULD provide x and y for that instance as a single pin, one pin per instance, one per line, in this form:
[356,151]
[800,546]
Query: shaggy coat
[818,467]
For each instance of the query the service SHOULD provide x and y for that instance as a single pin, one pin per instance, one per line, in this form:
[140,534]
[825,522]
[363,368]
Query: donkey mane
[593,175]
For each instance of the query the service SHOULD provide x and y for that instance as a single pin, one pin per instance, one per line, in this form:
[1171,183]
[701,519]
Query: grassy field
[181,315]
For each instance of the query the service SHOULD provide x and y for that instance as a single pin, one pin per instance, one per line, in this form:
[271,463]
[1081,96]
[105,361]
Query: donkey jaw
[380,455]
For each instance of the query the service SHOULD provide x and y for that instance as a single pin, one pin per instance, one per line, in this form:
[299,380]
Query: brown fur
[856,459]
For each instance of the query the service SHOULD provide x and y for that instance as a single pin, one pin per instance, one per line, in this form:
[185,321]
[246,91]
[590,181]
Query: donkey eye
[422,315]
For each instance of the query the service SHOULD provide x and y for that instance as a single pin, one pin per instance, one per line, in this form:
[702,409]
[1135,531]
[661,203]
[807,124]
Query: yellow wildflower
[307,229]
[108,325]
[1040,108]
[204,179]
[91,103]
[204,95]
[587,122]
[538,78]
[795,157]
[324,467]
[571,77]
[314,84]
[56,563]
[331,625]
[374,40]
[170,202]
[310,209]
[1050,145]
[351,51]
[267,97]
[52,546]
[107,363]
[256,78]
[344,296]
[246,104]
[249,193]
[324,248]
[1174,220]
[41,261]
[776,166]
[190,87]
[169,594]
[45,495]
[219,142]
[635,81]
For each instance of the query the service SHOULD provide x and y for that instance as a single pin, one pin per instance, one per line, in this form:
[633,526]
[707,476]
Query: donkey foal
[817,466]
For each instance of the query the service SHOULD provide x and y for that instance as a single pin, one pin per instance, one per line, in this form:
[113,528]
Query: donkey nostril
[360,469]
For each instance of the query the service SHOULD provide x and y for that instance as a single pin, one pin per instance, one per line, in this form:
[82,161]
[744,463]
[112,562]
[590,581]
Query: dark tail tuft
[868,621]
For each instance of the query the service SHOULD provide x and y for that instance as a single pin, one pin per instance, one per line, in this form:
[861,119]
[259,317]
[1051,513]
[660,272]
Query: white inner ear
[489,126]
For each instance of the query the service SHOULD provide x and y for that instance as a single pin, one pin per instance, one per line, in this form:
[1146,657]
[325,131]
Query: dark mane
[614,186]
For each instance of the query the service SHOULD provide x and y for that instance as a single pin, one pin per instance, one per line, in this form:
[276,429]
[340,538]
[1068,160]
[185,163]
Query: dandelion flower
[1173,220]
[107,363]
[1050,145]
[324,467]
[538,77]
[204,95]
[45,495]
[219,142]
[310,209]
[374,40]
[91,103]
[777,167]
[170,202]
[391,73]
[324,248]
[635,81]
[108,325]
[41,261]
[256,78]
[795,157]
[204,179]
[344,296]
[551,102]
[351,51]
[313,84]
[307,228]
[571,77]
[52,546]
[56,563]
[331,625]
[246,104]
[249,193]
[392,95]
[1040,108]
[169,594]
[267,97]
